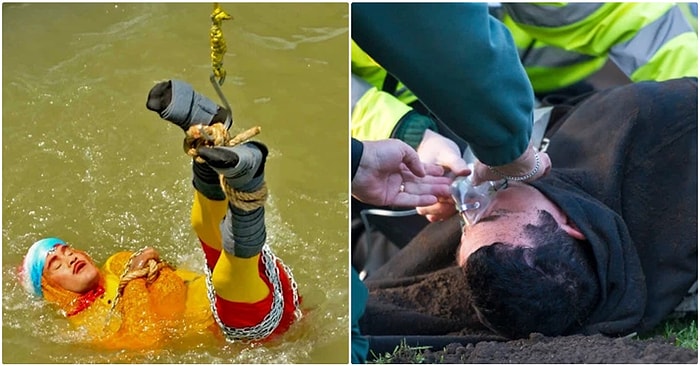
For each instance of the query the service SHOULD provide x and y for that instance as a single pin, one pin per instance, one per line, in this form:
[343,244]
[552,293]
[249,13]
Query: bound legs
[232,246]
[236,276]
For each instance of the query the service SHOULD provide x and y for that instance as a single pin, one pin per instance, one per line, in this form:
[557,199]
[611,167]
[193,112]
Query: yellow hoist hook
[217,42]
[218,50]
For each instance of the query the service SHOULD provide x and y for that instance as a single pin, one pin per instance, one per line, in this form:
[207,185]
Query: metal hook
[224,101]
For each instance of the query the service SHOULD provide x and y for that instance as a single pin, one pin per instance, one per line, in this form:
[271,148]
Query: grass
[401,352]
[684,332]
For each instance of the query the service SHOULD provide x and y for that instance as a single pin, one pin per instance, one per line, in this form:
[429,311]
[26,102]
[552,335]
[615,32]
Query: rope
[215,135]
[217,42]
[246,201]
[150,272]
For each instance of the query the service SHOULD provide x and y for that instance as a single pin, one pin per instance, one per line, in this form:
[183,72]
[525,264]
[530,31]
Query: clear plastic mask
[472,201]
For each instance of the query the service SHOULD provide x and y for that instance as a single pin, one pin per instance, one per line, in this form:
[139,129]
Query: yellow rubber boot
[238,280]
[205,217]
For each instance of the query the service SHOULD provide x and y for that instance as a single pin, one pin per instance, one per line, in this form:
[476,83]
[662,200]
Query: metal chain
[520,178]
[295,291]
[273,317]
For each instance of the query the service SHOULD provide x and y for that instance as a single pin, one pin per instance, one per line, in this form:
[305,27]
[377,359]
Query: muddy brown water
[85,161]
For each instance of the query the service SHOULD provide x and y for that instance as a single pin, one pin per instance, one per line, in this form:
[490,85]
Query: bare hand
[443,209]
[391,174]
[141,259]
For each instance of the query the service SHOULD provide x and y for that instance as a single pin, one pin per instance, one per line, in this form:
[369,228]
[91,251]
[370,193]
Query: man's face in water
[71,269]
[504,220]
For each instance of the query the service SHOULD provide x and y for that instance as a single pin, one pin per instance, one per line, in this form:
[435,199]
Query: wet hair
[550,288]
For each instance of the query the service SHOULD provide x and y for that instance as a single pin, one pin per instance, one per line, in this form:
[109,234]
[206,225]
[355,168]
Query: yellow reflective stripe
[358,88]
[364,66]
[550,68]
[521,38]
[631,55]
[375,115]
[590,36]
[677,58]
[540,54]
[405,95]
[636,34]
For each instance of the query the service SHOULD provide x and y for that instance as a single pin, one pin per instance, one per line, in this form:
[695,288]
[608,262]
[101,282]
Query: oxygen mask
[472,200]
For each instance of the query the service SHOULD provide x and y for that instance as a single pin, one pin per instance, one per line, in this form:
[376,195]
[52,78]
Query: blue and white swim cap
[33,265]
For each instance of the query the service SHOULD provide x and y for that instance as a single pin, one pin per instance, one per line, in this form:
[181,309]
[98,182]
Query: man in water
[247,290]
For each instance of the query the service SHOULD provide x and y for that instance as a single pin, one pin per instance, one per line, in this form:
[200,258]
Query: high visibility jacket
[561,44]
[375,115]
[365,67]
[378,115]
[690,11]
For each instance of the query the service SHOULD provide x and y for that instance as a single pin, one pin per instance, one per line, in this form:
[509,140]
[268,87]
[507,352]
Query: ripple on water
[86,162]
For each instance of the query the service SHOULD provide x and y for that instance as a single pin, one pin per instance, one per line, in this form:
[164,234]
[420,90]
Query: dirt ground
[570,349]
[435,296]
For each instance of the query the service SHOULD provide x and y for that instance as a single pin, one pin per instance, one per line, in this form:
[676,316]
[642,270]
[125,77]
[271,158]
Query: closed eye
[495,215]
[490,218]
[54,264]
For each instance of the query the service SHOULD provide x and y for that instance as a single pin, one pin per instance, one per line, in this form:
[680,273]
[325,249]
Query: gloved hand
[437,149]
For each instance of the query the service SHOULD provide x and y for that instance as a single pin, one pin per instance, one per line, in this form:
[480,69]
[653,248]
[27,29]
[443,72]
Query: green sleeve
[359,294]
[461,63]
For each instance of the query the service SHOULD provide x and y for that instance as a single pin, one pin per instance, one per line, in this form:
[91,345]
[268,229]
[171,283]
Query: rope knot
[246,201]
[204,136]
[215,135]
[150,272]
